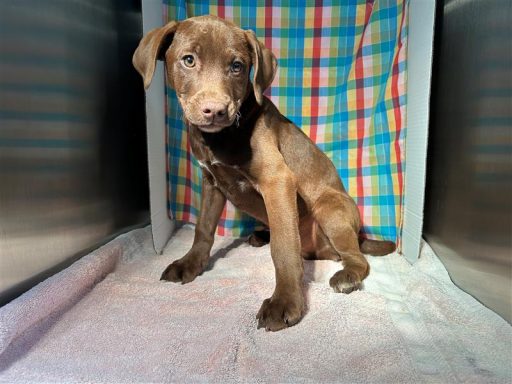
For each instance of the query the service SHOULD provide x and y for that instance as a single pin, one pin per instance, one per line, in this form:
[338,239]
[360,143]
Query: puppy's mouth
[216,124]
[211,128]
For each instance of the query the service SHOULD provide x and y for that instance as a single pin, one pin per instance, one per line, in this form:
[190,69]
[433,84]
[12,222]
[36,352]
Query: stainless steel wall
[468,212]
[73,164]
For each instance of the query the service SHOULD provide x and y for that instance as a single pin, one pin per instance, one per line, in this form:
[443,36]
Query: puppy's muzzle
[210,114]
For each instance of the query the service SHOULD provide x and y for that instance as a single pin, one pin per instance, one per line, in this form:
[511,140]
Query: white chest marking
[243,185]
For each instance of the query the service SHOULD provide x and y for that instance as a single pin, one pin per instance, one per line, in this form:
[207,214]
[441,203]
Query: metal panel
[469,184]
[73,168]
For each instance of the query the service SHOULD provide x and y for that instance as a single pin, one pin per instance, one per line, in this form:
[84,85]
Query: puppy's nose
[212,109]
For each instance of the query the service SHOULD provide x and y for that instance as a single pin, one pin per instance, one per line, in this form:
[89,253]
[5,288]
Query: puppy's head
[208,62]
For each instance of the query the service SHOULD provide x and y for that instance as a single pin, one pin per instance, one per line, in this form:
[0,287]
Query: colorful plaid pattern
[341,78]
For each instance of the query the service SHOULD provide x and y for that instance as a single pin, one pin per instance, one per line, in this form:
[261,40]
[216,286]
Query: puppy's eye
[236,67]
[189,61]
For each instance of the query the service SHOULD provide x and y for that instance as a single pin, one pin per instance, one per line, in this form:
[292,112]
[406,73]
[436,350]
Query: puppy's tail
[376,247]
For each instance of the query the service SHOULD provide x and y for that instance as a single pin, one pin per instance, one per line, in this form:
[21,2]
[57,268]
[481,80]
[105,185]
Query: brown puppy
[256,158]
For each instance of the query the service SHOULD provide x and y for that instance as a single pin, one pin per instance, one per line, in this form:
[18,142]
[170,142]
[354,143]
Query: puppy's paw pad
[259,238]
[345,281]
[181,271]
[276,314]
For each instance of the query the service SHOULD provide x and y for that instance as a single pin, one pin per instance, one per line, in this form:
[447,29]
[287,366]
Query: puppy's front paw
[183,270]
[345,281]
[277,313]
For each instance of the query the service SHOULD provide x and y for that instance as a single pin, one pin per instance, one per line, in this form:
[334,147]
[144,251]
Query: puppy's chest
[230,147]
[225,162]
[231,180]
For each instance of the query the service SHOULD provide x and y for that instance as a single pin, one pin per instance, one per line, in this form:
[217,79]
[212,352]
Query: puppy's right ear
[152,47]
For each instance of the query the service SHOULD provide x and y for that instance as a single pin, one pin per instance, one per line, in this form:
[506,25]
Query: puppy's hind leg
[338,218]
[259,238]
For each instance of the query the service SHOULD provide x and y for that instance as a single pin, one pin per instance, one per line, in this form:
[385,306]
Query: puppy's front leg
[286,305]
[193,263]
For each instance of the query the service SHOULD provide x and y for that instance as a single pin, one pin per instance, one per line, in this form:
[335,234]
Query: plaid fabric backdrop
[341,78]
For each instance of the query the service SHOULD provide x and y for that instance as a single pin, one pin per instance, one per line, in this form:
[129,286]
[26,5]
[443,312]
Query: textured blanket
[108,318]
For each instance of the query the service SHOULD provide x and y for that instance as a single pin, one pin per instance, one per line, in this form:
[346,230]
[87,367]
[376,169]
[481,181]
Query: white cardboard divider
[162,225]
[419,72]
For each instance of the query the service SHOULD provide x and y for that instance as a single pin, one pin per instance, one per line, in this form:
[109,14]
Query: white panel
[162,226]
[419,71]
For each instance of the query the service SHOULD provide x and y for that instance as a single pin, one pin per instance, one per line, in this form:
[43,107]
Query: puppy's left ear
[264,63]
